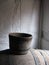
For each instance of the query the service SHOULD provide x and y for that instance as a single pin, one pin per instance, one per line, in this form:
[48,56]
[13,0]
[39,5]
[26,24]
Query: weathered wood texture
[34,57]
[18,16]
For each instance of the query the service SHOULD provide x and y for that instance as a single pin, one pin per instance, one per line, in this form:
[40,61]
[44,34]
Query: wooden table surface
[10,58]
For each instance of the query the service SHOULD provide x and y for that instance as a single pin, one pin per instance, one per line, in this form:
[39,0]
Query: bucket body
[20,43]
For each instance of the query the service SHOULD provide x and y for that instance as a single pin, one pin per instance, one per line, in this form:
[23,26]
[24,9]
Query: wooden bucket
[20,43]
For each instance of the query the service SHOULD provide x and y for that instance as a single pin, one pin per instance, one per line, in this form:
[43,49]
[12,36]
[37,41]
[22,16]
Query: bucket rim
[20,35]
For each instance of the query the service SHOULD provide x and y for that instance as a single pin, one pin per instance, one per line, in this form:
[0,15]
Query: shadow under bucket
[20,43]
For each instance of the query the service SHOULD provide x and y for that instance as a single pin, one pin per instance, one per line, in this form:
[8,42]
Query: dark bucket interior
[20,34]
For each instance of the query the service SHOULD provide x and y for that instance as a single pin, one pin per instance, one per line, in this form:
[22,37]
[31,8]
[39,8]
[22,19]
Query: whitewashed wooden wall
[18,16]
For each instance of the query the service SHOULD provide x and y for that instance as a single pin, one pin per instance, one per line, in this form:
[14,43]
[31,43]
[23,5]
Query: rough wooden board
[45,56]
[39,60]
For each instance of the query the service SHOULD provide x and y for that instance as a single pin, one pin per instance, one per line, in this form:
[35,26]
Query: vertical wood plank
[16,17]
[6,10]
[26,12]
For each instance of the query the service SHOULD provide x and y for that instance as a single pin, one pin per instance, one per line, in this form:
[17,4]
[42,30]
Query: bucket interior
[20,35]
